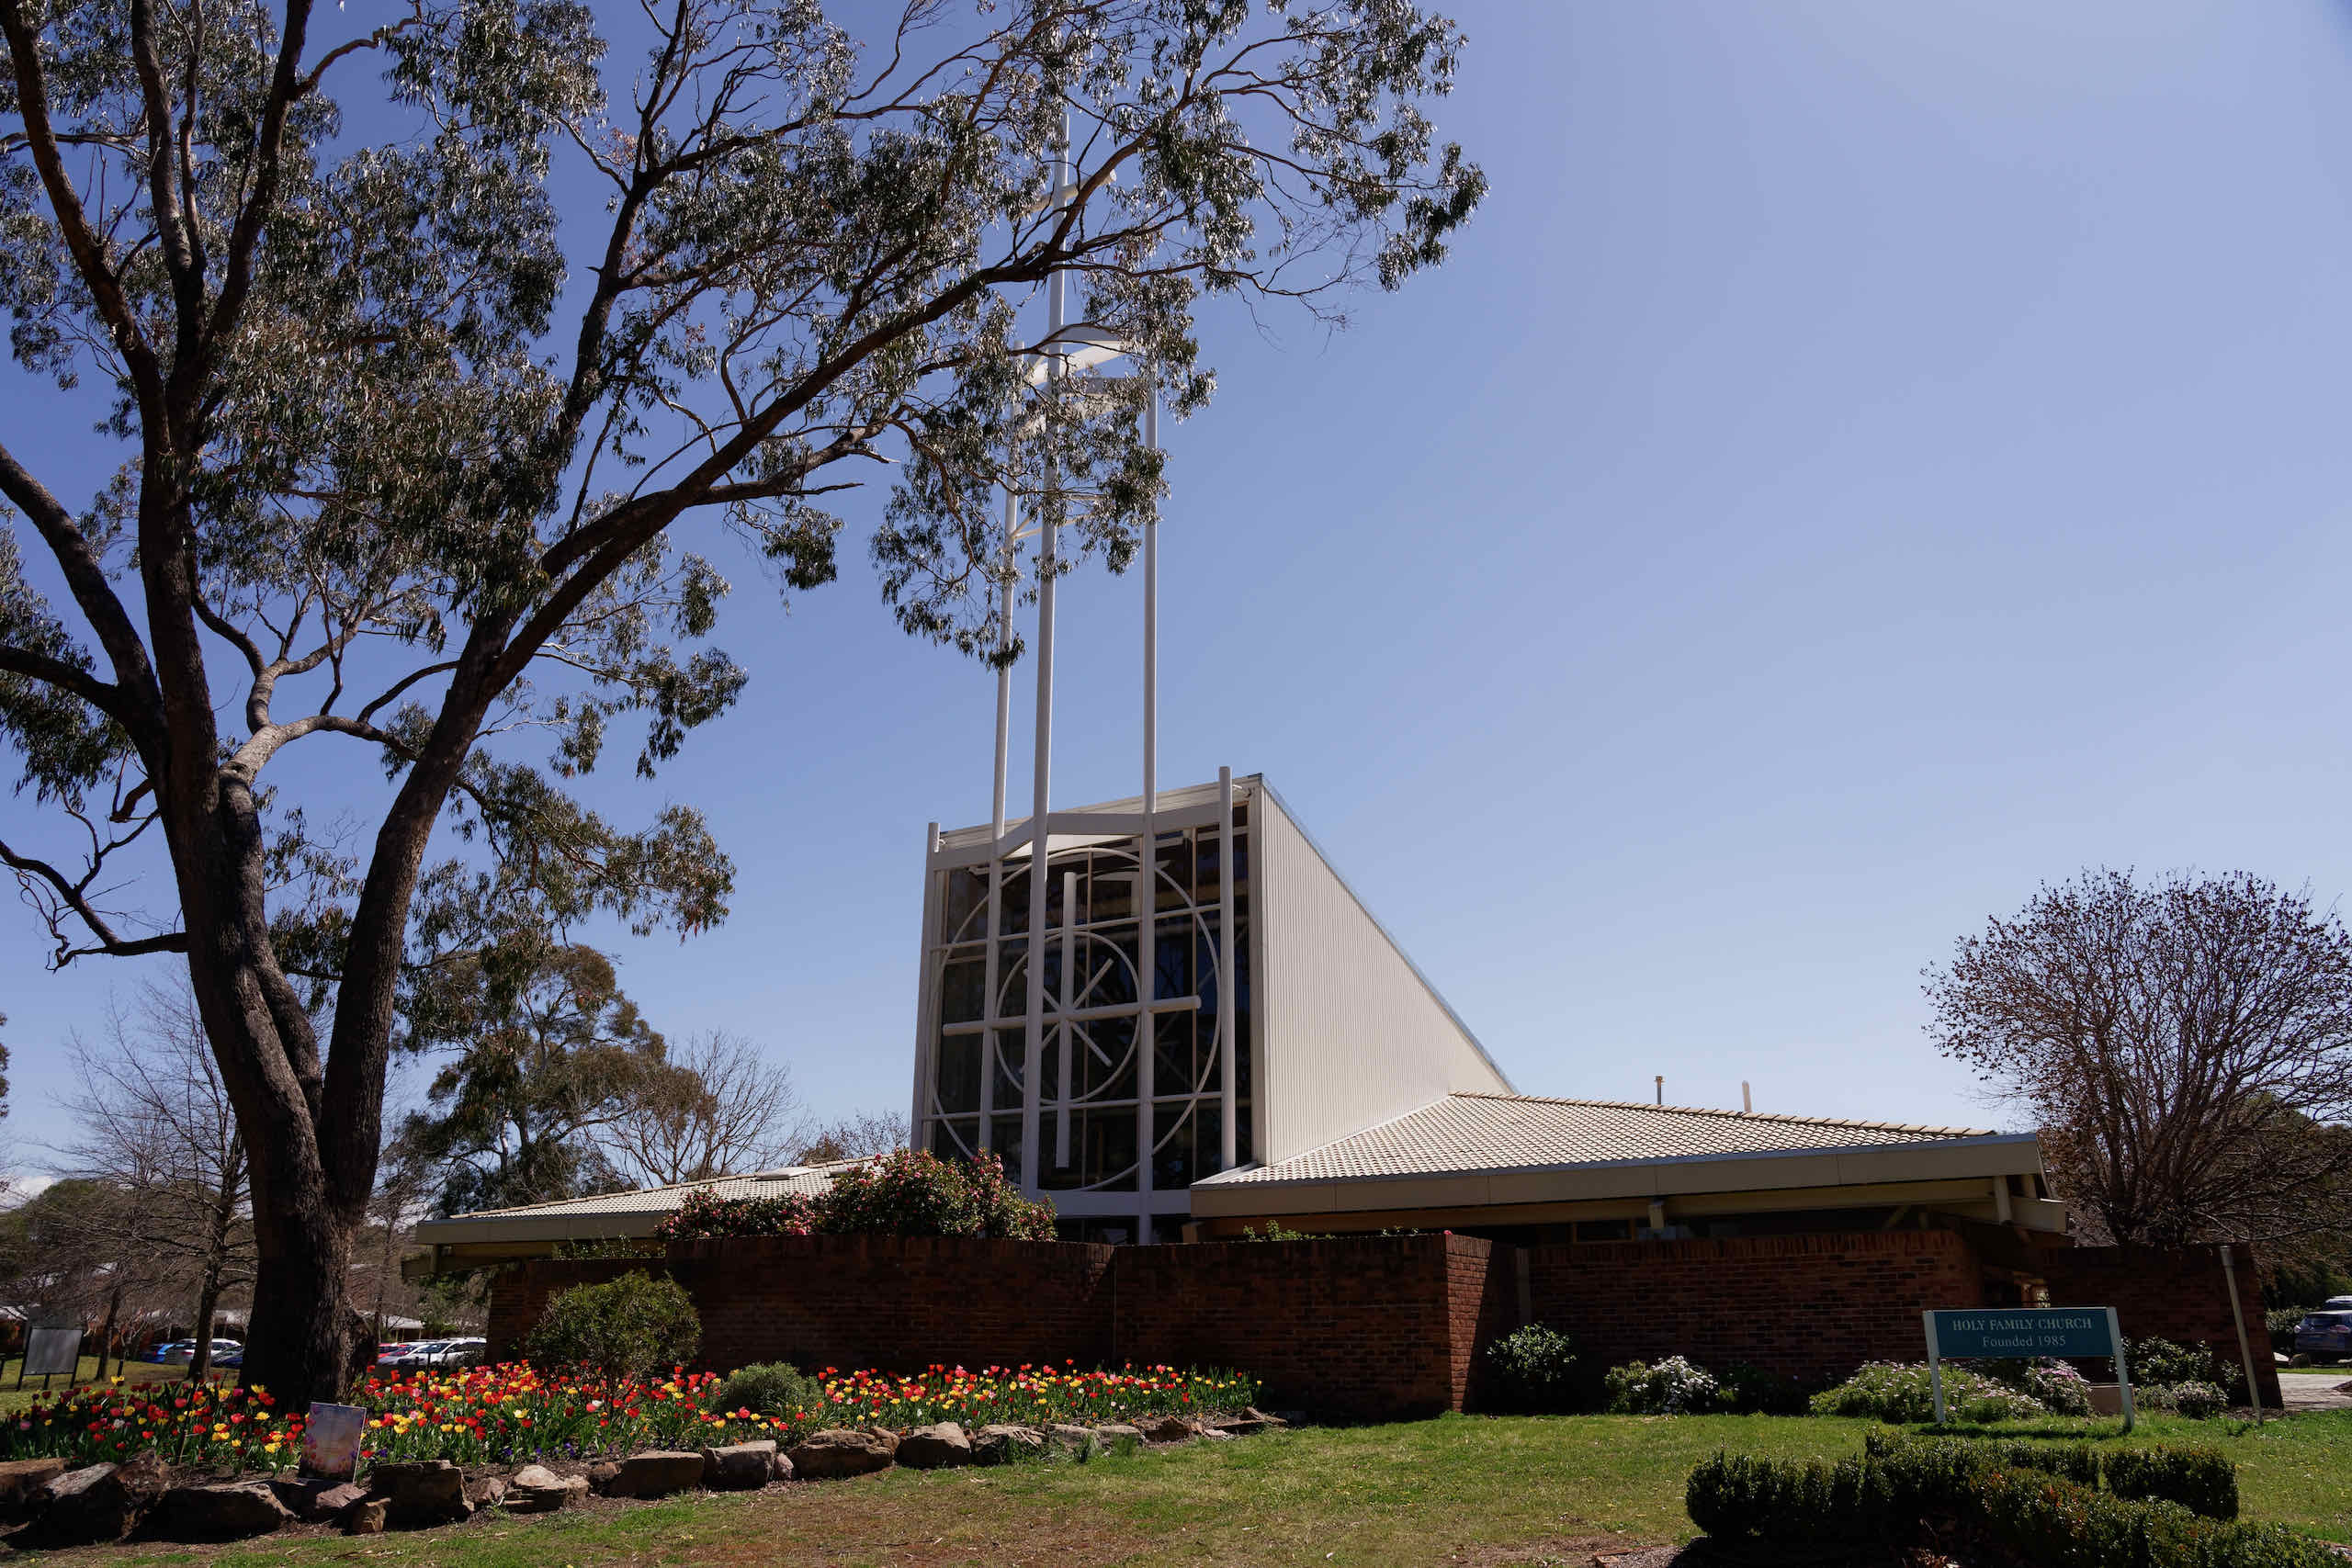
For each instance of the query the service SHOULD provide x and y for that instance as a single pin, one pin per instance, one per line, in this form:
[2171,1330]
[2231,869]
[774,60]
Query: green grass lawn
[1463,1490]
[12,1398]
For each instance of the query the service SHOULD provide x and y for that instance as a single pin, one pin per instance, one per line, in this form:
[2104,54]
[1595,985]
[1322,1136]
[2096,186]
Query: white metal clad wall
[1351,1035]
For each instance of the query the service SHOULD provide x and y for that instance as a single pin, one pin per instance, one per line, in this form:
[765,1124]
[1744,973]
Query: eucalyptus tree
[397,476]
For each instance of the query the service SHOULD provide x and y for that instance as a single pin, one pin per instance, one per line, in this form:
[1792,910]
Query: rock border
[141,1498]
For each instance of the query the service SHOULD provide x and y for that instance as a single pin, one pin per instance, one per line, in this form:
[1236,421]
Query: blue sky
[1864,460]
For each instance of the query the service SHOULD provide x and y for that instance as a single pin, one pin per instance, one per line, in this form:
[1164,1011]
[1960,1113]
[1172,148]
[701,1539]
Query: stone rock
[486,1491]
[20,1478]
[935,1448]
[228,1512]
[1254,1414]
[656,1474]
[1170,1428]
[366,1516]
[828,1455]
[739,1467]
[1236,1427]
[314,1498]
[535,1489]
[600,1475]
[888,1438]
[334,1501]
[1002,1444]
[100,1502]
[1116,1432]
[1080,1440]
[421,1492]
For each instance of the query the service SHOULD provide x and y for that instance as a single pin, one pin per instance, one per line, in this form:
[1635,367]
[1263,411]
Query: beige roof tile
[1467,1133]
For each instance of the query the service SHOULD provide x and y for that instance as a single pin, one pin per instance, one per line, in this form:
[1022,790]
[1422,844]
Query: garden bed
[209,1464]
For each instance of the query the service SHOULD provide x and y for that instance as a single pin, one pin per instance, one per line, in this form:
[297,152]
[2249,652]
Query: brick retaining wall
[1356,1328]
[2180,1296]
[1811,1307]
[1370,1326]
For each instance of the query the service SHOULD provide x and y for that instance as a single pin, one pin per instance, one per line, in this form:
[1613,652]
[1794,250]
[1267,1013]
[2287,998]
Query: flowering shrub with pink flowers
[904,1193]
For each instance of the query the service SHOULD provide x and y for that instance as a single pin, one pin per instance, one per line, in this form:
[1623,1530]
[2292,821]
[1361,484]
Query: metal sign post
[2002,1333]
[2245,1346]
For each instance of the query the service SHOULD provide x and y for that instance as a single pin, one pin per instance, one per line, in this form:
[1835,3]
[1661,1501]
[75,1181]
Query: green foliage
[1535,1369]
[768,1388]
[1277,1230]
[631,1327]
[2199,1479]
[1671,1387]
[2281,1322]
[1899,1391]
[2196,1401]
[2052,1384]
[905,1192]
[548,1049]
[2164,1508]
[1746,1390]
[2162,1362]
[703,1213]
[914,1193]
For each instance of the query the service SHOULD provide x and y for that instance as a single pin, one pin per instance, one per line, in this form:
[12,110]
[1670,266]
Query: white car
[180,1352]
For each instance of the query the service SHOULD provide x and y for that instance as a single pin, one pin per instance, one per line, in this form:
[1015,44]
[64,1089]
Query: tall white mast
[1147,860]
[1033,1081]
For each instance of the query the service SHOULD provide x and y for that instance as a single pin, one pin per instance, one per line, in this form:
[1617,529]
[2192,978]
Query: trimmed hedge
[2164,1508]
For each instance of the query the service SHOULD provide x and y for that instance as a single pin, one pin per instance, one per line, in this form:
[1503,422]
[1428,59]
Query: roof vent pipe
[1661,1089]
[1747,1101]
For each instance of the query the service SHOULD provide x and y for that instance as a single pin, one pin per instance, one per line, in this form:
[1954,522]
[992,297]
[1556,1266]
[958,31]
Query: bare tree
[2186,1047]
[727,1110]
[156,1126]
[855,1136]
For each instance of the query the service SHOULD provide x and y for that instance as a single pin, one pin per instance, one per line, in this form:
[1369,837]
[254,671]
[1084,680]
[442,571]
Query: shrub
[705,1214]
[2199,1479]
[905,1192]
[768,1388]
[630,1328]
[1733,1495]
[1746,1390]
[2282,1322]
[2054,1385]
[1672,1387]
[1892,1390]
[2161,1363]
[2044,1513]
[1535,1369]
[2197,1400]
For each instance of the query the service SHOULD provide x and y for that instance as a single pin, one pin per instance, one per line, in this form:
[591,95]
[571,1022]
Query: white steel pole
[996,828]
[926,1030]
[1065,1057]
[1041,768]
[1147,861]
[1225,975]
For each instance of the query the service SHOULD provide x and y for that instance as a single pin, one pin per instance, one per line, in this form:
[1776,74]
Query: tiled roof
[808,1179]
[1467,1133]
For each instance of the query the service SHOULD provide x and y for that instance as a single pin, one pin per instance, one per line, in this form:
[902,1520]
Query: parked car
[180,1352]
[461,1352]
[416,1356]
[2325,1332]
[389,1354]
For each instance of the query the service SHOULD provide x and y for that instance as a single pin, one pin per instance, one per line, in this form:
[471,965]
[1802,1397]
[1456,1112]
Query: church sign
[2000,1333]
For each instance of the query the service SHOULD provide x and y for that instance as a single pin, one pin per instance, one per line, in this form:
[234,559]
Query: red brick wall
[1366,1326]
[2181,1296]
[1812,1307]
[1385,1326]
[860,1300]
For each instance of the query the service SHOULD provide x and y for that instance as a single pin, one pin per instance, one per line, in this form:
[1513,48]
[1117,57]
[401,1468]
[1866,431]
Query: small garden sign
[1999,1333]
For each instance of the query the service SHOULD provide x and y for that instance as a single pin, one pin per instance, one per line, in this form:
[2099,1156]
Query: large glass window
[1131,986]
